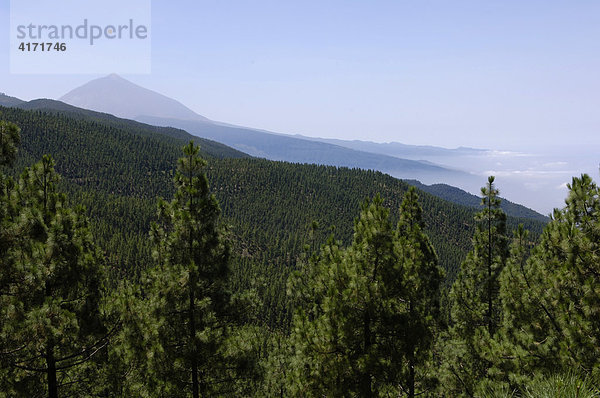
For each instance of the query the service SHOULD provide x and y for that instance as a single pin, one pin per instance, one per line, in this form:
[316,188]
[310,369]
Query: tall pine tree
[572,244]
[9,141]
[552,300]
[187,291]
[524,347]
[365,321]
[52,279]
[476,308]
[350,302]
[422,280]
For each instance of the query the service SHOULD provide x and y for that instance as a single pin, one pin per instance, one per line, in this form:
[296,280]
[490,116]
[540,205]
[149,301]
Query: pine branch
[105,337]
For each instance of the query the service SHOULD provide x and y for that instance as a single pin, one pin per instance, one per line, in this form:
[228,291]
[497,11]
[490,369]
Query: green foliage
[552,300]
[187,289]
[559,386]
[563,386]
[422,281]
[276,366]
[9,141]
[571,243]
[318,368]
[364,318]
[181,320]
[366,306]
[50,294]
[523,347]
[116,168]
[476,307]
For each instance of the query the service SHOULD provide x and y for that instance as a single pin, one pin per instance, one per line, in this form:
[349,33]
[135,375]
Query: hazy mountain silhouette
[115,95]
[398,149]
[120,97]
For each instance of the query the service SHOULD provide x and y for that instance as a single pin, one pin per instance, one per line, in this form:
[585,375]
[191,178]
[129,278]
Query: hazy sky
[496,74]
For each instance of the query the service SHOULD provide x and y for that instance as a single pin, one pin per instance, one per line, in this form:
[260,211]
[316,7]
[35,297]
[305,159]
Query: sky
[506,75]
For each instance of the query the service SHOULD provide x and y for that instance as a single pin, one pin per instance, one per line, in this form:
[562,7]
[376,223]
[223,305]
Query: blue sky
[497,74]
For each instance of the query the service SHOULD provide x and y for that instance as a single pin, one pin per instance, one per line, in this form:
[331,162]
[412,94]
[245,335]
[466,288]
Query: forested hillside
[211,148]
[118,168]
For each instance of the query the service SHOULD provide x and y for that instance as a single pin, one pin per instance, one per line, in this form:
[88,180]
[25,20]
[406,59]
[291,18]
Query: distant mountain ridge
[113,94]
[288,148]
[398,149]
[239,141]
[6,100]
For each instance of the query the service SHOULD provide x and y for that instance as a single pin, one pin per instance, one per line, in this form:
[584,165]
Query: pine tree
[320,365]
[552,300]
[573,245]
[351,303]
[9,140]
[276,366]
[365,319]
[524,346]
[187,291]
[51,326]
[373,305]
[422,280]
[476,308]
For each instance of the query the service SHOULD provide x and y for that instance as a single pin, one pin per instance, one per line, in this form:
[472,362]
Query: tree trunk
[203,385]
[192,285]
[411,376]
[489,284]
[51,371]
[366,378]
[192,321]
[50,358]
[411,359]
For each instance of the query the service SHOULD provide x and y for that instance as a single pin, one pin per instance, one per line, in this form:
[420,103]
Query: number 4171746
[43,46]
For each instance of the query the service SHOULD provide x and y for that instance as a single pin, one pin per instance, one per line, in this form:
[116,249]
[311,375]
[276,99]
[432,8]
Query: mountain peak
[114,76]
[118,96]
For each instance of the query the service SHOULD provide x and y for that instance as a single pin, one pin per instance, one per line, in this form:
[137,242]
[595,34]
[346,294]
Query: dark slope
[212,148]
